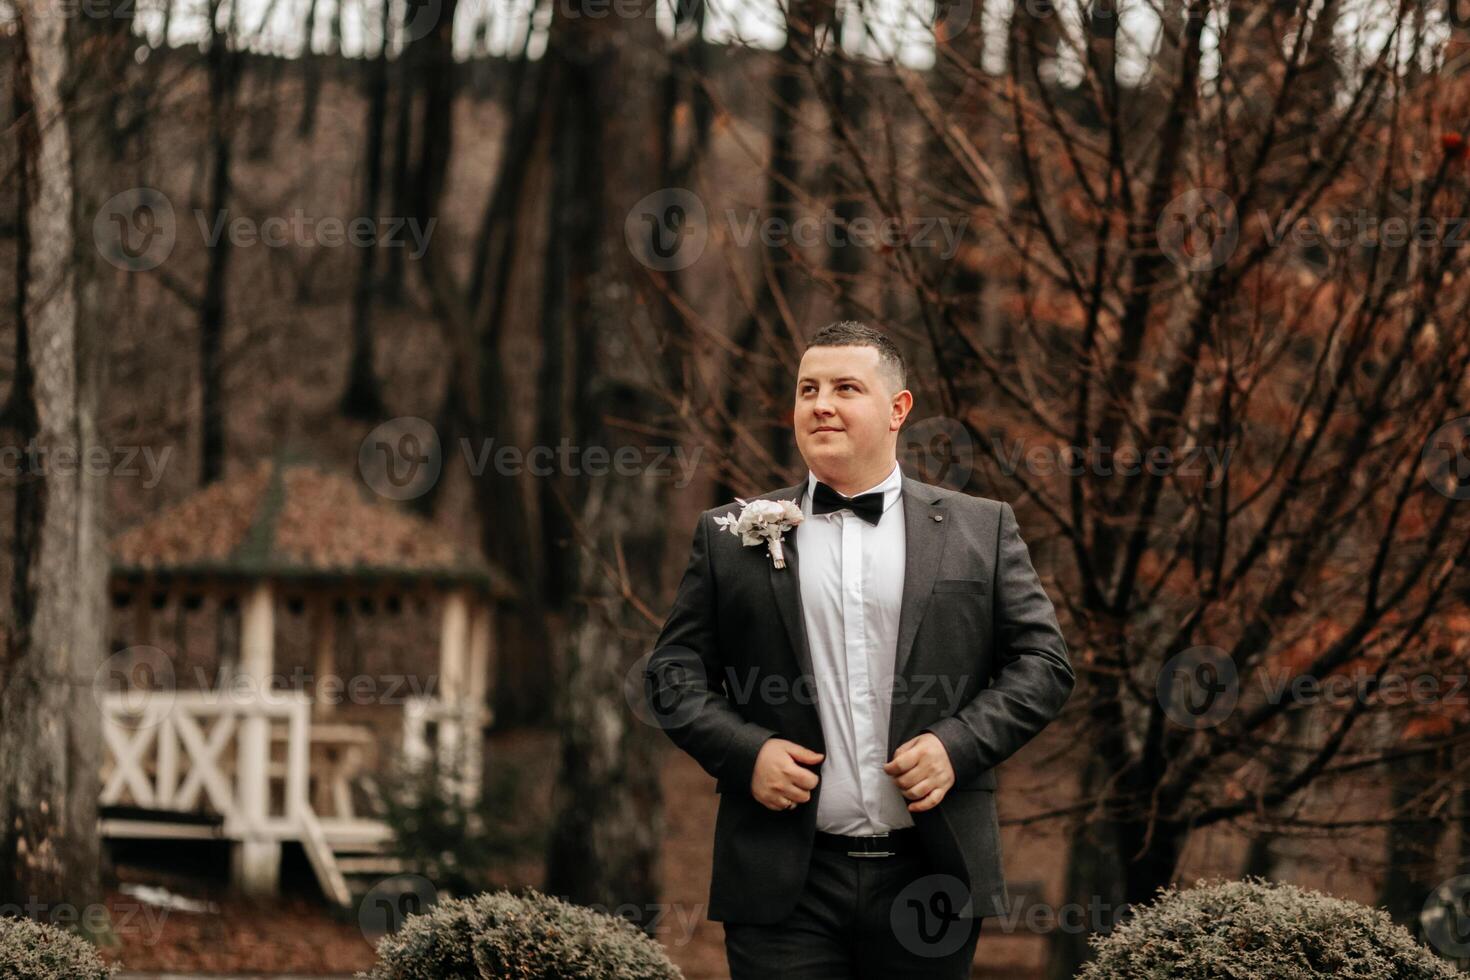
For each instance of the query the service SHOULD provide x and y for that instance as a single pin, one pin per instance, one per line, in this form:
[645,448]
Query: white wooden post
[482,639]
[482,648]
[324,650]
[256,861]
[454,638]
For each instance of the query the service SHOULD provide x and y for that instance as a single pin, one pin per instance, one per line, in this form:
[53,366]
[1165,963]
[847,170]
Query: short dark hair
[851,333]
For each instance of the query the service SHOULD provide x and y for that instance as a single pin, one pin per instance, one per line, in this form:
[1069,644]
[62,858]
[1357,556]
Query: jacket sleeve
[1033,679]
[683,680]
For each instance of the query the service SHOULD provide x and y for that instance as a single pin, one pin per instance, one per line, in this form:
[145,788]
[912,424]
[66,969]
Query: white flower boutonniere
[763,520]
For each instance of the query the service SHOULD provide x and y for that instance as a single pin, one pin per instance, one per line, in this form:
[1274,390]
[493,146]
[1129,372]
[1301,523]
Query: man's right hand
[780,780]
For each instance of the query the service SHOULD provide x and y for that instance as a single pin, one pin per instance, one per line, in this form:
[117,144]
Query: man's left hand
[921,770]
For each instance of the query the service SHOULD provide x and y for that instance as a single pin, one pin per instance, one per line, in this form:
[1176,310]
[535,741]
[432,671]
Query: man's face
[846,418]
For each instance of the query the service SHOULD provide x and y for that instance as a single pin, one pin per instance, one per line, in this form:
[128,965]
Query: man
[852,704]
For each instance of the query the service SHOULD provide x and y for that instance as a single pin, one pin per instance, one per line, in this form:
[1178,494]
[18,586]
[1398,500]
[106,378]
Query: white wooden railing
[451,732]
[247,761]
[209,753]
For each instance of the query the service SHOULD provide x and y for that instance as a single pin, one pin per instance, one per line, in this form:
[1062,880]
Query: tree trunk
[1270,856]
[608,828]
[1150,856]
[49,733]
[405,84]
[106,128]
[1413,839]
[850,107]
[1094,869]
[311,76]
[961,102]
[424,131]
[477,404]
[776,392]
[334,40]
[223,81]
[606,835]
[363,397]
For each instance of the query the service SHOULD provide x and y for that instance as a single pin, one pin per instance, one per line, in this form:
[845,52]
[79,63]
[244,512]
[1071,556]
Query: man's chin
[828,452]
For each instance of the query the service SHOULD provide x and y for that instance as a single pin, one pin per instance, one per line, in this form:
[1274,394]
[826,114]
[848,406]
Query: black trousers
[862,919]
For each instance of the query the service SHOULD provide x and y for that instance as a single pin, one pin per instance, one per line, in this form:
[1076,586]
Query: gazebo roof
[297,521]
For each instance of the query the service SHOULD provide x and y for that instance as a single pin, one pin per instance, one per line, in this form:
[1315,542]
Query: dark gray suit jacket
[980,663]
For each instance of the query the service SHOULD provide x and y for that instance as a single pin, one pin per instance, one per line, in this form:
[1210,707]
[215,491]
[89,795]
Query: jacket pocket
[962,585]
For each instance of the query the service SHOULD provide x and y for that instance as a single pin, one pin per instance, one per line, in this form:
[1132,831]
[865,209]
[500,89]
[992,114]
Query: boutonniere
[763,520]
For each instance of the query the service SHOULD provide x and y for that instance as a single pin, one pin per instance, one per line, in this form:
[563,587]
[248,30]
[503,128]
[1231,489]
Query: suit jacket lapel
[924,516]
[786,582]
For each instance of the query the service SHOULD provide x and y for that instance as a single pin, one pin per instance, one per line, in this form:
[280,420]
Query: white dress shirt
[851,595]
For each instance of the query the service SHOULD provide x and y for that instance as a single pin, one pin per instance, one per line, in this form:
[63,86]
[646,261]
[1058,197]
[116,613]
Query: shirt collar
[891,488]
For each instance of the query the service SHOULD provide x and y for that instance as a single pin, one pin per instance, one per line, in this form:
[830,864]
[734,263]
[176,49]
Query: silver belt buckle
[873,854]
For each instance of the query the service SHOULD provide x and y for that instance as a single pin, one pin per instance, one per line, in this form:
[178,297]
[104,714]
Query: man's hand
[920,767]
[779,780]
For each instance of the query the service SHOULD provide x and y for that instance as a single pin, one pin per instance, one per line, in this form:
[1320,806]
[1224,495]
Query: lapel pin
[939,517]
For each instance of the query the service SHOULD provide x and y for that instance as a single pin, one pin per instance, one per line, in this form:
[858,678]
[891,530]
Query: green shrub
[462,846]
[526,937]
[1259,930]
[35,951]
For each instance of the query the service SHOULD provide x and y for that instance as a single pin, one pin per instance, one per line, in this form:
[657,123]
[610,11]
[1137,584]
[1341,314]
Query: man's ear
[903,403]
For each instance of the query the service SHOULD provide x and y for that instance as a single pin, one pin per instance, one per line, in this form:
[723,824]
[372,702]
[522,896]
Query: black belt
[903,841]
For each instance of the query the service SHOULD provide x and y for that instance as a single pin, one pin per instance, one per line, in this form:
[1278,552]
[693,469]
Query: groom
[853,704]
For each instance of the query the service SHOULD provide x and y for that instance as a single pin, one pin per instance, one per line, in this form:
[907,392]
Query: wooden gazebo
[251,759]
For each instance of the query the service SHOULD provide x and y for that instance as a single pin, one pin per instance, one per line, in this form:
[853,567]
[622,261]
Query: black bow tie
[868,506]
